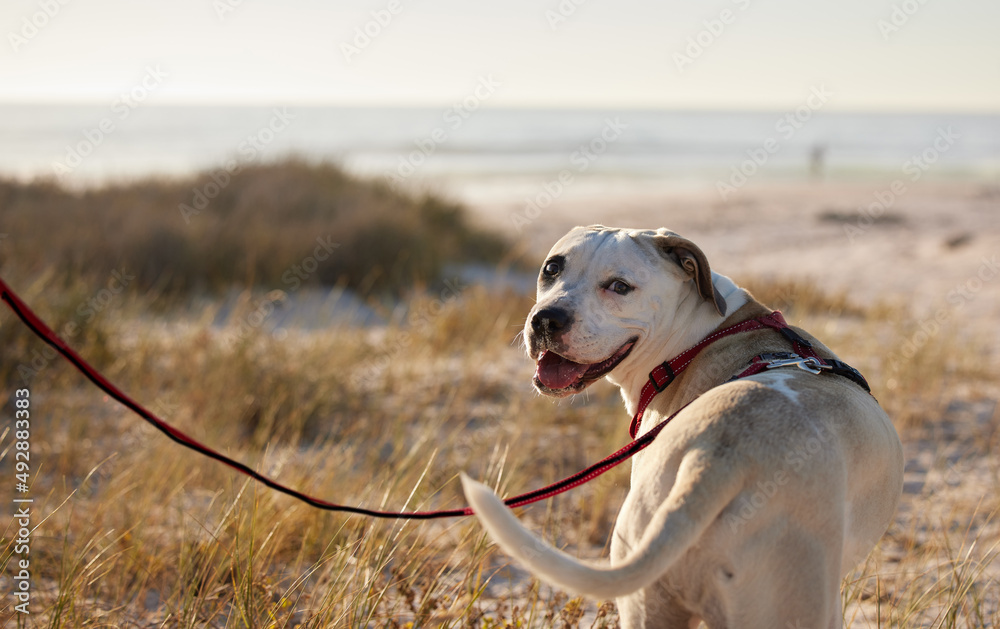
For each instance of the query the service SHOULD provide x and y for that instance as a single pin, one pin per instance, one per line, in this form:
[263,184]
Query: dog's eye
[551,269]
[619,287]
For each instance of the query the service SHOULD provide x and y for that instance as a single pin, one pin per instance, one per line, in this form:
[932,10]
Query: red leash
[25,314]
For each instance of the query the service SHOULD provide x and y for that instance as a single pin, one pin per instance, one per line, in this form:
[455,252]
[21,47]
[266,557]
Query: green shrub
[254,230]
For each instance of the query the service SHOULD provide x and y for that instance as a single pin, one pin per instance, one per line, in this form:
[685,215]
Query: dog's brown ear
[692,259]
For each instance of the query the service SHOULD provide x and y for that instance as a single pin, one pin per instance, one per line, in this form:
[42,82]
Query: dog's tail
[695,501]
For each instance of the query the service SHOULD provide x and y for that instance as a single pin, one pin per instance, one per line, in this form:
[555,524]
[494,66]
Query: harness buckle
[811,364]
[794,337]
[668,378]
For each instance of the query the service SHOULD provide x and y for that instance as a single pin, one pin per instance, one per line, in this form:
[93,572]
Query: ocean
[86,144]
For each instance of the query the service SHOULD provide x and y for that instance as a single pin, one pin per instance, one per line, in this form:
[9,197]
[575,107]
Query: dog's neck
[693,319]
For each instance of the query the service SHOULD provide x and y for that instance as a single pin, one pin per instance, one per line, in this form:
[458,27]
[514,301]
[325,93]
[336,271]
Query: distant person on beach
[816,157]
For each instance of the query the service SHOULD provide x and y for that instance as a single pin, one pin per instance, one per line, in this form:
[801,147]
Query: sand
[918,244]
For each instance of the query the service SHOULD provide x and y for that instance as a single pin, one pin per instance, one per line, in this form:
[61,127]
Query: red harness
[663,374]
[659,379]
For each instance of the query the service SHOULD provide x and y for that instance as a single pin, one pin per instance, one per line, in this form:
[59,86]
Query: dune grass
[256,229]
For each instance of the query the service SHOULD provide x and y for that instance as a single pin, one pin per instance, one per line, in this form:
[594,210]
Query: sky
[871,55]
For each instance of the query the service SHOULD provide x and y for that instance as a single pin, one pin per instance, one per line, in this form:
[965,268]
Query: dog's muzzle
[557,375]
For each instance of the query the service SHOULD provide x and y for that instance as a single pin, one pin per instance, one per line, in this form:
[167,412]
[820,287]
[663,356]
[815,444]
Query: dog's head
[602,293]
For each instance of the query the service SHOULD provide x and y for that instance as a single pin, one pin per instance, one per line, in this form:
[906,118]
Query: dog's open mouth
[555,373]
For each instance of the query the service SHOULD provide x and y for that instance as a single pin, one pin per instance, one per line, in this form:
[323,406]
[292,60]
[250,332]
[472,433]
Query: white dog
[754,501]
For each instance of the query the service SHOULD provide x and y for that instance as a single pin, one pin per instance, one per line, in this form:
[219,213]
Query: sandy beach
[920,247]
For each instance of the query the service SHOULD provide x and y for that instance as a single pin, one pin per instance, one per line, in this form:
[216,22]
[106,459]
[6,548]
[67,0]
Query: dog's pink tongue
[556,372]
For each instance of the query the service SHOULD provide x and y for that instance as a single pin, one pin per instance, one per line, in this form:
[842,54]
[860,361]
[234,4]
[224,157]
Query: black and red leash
[40,329]
[659,379]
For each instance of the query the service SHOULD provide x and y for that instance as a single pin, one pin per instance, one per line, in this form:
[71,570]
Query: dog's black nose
[550,320]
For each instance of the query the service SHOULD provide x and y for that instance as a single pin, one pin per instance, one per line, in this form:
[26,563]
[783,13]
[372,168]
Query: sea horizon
[123,140]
